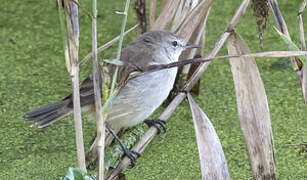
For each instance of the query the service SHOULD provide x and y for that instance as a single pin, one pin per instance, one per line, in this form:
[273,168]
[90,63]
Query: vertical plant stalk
[64,36]
[303,48]
[73,32]
[140,9]
[97,92]
[151,132]
[120,44]
[92,151]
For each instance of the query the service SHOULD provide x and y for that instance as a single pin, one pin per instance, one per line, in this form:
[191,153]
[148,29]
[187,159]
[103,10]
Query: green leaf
[114,61]
[292,46]
[77,174]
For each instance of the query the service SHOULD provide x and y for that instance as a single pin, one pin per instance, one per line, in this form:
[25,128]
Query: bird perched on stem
[137,96]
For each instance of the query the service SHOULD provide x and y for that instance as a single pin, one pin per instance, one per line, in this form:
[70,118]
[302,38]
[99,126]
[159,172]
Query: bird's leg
[132,155]
[157,123]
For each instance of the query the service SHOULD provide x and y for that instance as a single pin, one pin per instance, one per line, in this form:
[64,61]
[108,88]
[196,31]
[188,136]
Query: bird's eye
[174,43]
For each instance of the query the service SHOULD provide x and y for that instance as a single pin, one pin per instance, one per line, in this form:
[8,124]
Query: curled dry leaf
[212,159]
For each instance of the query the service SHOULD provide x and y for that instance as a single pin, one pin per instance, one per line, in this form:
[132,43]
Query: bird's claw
[154,123]
[132,155]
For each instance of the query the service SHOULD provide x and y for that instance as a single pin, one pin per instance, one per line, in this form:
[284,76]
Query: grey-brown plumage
[137,96]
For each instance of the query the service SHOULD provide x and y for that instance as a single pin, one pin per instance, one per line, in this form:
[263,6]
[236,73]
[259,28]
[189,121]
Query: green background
[33,73]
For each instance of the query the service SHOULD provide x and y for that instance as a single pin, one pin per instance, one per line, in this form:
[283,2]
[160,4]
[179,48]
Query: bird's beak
[191,45]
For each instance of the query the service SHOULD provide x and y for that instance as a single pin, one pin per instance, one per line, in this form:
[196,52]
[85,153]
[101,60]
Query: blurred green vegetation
[32,73]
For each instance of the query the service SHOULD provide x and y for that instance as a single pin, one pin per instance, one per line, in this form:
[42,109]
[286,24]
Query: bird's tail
[50,113]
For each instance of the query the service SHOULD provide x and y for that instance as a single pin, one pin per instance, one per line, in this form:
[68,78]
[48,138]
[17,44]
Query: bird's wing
[86,89]
[133,55]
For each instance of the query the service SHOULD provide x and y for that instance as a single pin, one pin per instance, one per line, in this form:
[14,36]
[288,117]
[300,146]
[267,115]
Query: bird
[137,97]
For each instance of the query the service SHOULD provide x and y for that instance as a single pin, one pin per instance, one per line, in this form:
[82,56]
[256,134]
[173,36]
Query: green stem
[120,44]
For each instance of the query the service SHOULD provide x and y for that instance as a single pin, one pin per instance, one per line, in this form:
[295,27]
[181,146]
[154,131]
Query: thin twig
[276,54]
[151,132]
[106,45]
[298,144]
[97,92]
[73,31]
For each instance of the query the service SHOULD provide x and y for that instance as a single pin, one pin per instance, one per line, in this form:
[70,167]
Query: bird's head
[166,42]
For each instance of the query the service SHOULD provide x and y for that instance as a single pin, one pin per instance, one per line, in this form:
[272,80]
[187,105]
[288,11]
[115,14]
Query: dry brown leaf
[184,9]
[166,15]
[253,110]
[212,159]
[193,19]
[198,37]
[152,12]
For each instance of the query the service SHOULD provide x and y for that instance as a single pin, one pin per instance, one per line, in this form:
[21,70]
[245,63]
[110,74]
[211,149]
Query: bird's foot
[132,155]
[157,123]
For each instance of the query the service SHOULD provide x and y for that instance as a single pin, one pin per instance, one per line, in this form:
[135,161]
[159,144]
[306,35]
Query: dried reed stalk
[100,125]
[212,159]
[73,32]
[303,48]
[253,110]
[91,155]
[151,132]
[107,45]
[276,54]
[64,36]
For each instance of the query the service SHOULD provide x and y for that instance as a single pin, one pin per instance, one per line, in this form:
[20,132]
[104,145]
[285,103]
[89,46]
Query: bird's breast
[140,97]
